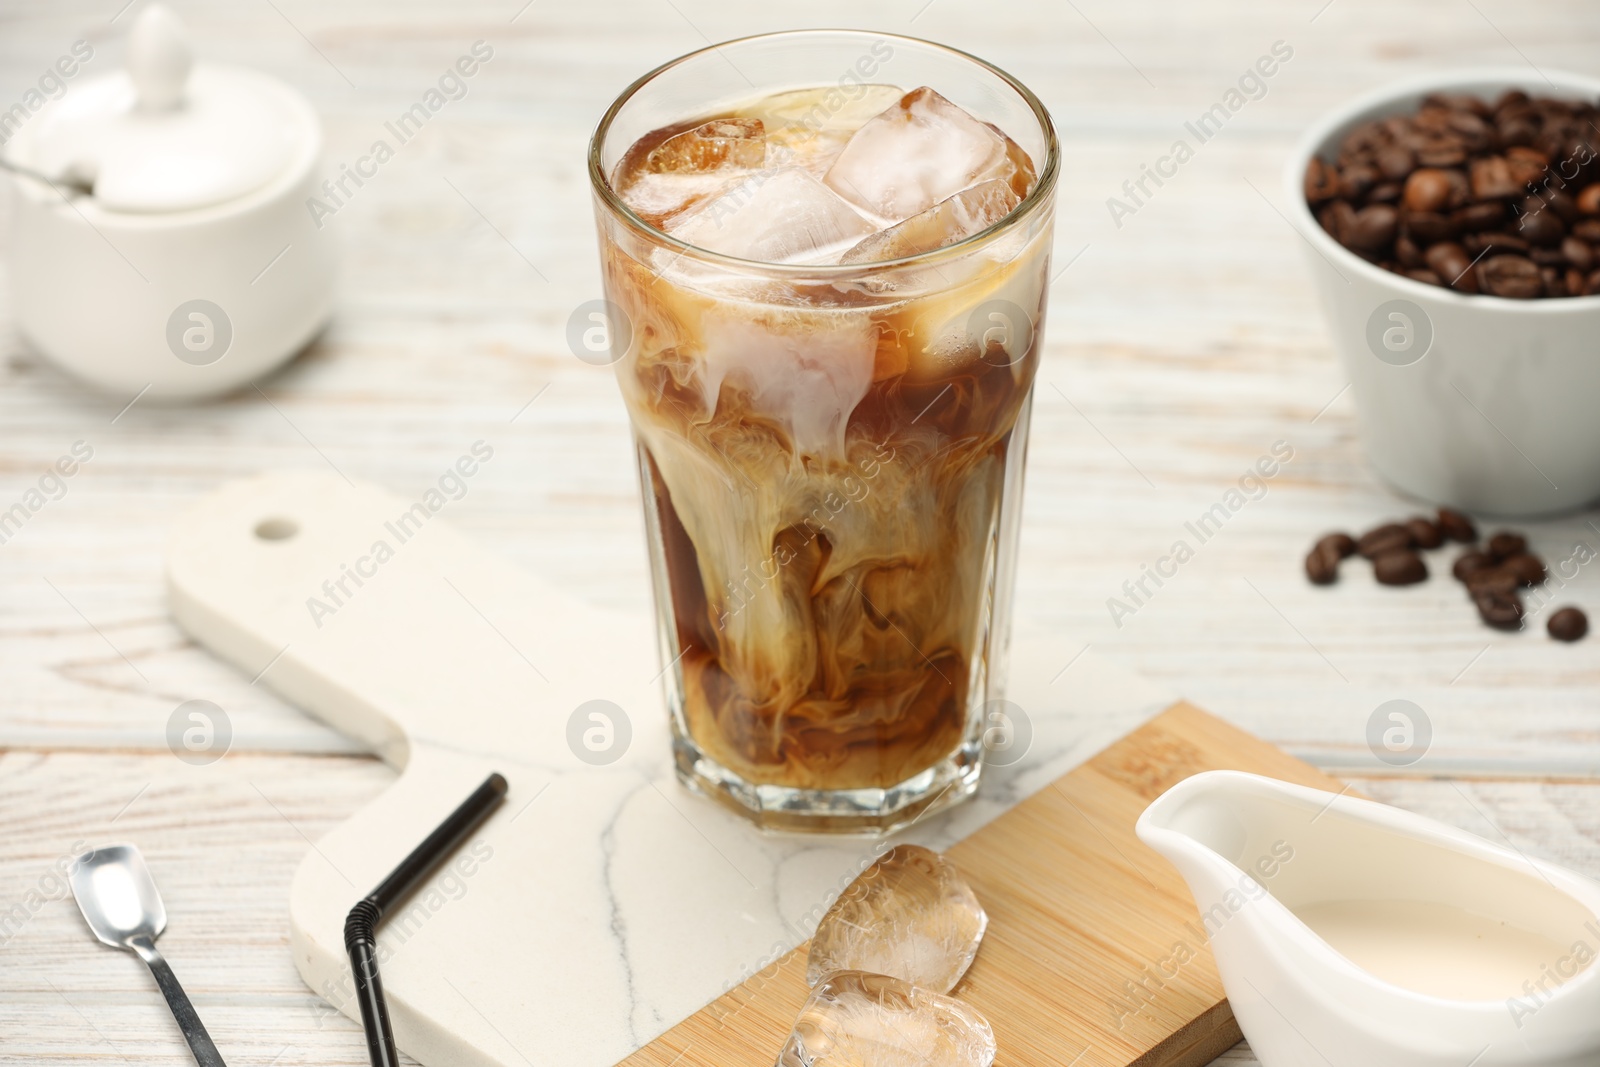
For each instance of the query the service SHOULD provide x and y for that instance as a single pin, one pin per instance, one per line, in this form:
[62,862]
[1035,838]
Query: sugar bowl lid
[166,135]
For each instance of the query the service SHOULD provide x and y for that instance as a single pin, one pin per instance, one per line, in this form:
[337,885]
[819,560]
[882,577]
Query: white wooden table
[1180,347]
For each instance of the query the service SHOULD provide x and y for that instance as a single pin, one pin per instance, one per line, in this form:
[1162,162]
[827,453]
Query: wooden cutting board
[604,914]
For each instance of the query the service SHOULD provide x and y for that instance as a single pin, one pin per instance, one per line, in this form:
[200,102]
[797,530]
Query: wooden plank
[1079,912]
[1187,340]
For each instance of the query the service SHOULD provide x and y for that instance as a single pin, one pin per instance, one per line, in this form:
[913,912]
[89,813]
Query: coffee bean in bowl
[1485,196]
[1512,276]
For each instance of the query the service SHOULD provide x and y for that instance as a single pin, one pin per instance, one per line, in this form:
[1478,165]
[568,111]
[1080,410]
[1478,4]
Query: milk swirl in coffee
[832,456]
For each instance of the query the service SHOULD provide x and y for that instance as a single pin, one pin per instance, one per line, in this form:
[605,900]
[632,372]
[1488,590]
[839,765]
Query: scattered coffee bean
[1568,624]
[1494,577]
[1385,538]
[1322,566]
[1493,580]
[1470,562]
[1506,544]
[1342,545]
[1503,612]
[1322,562]
[1399,566]
[1424,532]
[1528,568]
[1510,186]
[1456,526]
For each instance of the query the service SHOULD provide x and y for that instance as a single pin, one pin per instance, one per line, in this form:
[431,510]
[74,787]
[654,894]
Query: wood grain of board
[1080,911]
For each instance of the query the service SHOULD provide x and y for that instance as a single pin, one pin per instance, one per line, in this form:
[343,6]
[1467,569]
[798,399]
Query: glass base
[841,811]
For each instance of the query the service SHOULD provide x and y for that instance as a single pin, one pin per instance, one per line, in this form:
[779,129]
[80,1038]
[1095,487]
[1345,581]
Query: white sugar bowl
[171,252]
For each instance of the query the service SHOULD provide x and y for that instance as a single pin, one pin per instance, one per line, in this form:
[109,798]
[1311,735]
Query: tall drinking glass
[826,256]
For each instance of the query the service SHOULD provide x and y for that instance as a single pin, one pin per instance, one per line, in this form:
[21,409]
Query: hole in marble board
[277,529]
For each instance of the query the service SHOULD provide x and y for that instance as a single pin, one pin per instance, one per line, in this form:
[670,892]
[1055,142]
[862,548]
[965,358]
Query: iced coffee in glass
[826,257]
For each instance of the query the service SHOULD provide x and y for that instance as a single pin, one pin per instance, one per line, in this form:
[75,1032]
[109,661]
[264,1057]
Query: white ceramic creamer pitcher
[1351,934]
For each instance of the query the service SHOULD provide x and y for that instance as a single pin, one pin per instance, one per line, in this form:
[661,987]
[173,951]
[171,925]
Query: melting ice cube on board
[915,154]
[854,1019]
[957,218]
[712,145]
[910,915]
[781,216]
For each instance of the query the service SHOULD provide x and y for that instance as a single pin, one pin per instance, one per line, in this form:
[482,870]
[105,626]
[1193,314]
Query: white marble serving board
[600,904]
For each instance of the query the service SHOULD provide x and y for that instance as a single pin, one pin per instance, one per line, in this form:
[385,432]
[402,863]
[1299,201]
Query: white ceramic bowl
[1499,413]
[109,295]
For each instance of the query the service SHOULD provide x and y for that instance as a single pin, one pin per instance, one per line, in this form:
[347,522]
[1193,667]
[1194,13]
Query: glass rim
[1041,192]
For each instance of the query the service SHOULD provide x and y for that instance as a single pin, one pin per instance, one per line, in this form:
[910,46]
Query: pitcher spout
[1211,827]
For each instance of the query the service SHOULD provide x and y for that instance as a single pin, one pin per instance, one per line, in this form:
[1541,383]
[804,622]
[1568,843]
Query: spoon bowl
[117,896]
[120,903]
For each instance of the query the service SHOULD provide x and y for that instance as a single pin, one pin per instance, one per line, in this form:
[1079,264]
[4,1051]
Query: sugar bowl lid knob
[159,58]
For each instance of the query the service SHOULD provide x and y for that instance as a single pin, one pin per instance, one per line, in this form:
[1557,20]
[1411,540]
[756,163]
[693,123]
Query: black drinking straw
[360,927]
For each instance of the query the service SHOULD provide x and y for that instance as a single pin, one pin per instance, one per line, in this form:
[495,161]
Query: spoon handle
[194,1031]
